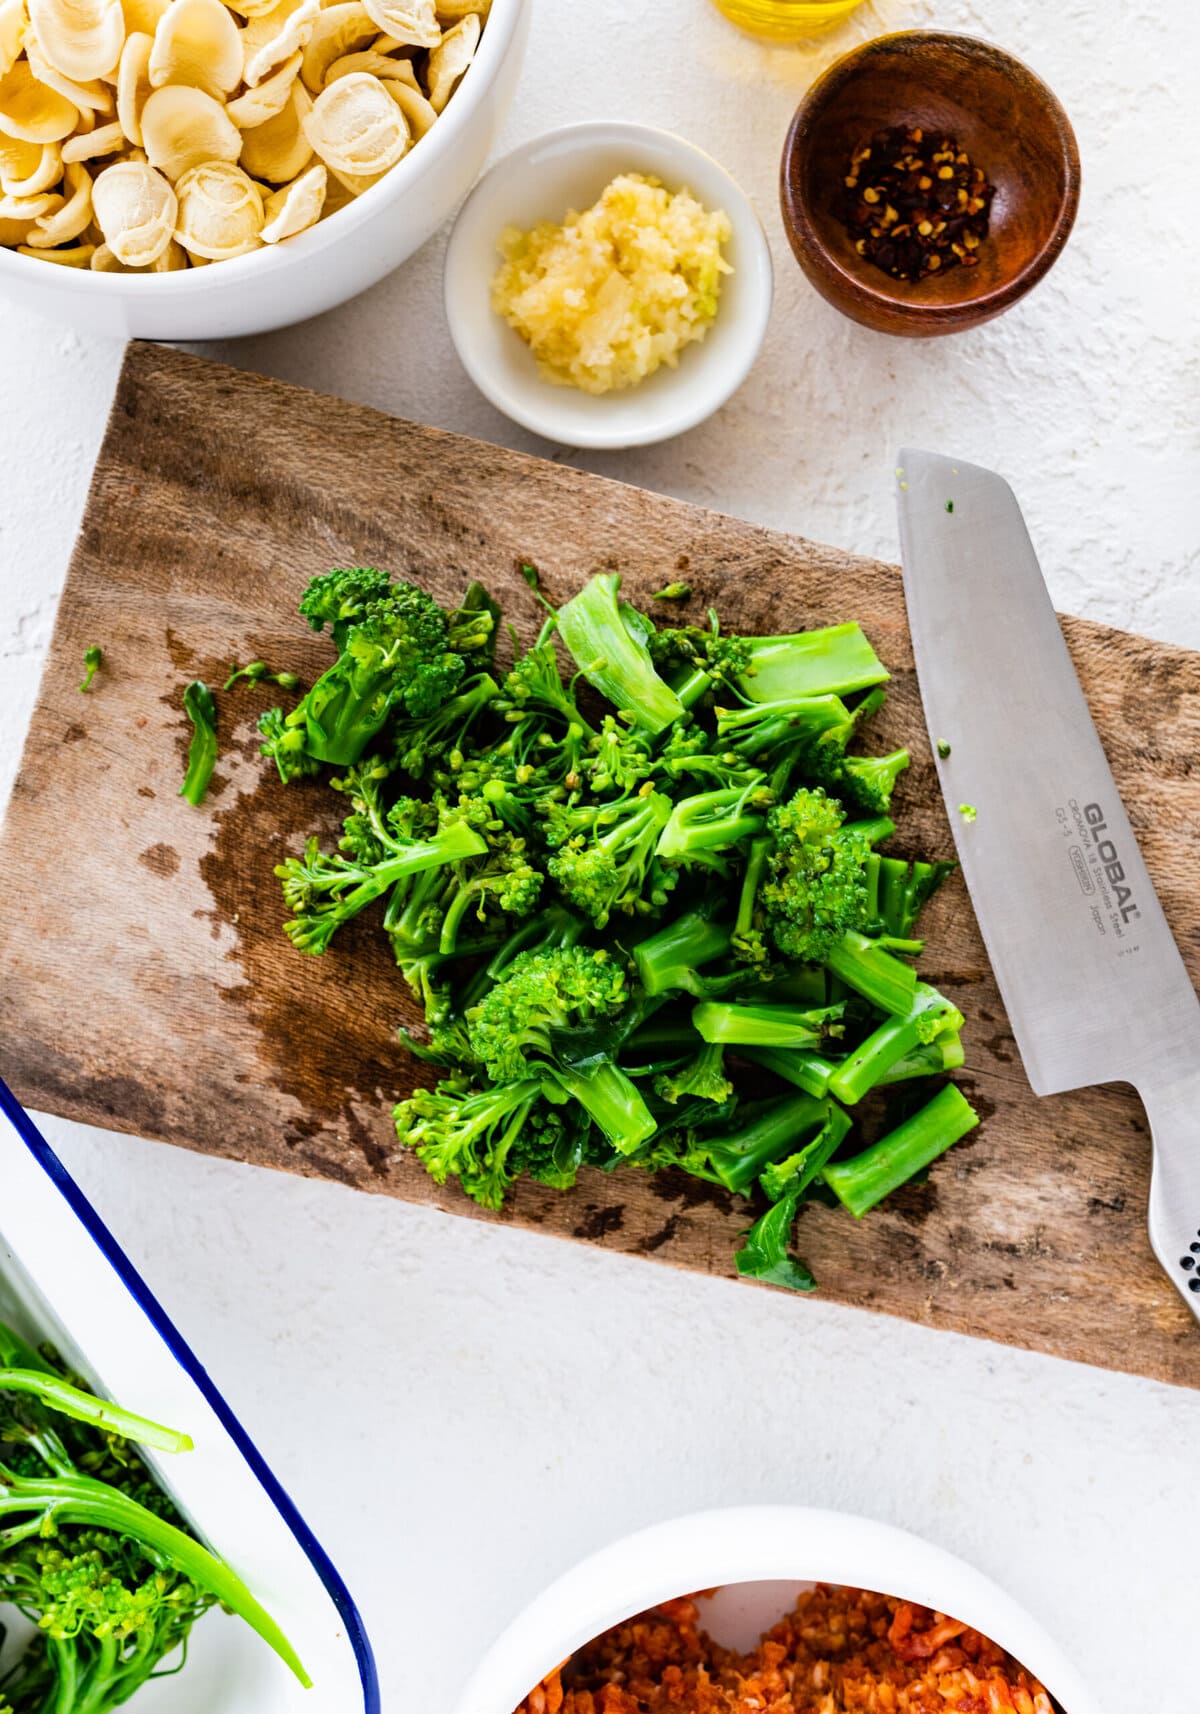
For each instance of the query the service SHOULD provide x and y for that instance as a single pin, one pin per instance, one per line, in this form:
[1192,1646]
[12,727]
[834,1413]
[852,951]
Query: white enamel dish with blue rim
[63,1276]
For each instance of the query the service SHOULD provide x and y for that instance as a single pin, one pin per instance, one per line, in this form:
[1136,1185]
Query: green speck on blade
[967,811]
[904,485]
[949,505]
[943,748]
[91,661]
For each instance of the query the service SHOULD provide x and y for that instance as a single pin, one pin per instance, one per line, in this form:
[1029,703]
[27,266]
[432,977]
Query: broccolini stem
[766,726]
[612,658]
[833,661]
[70,1401]
[808,1071]
[927,1060]
[612,1100]
[874,831]
[258,672]
[201,710]
[739,1158]
[930,1016]
[81,1500]
[312,931]
[873,973]
[870,1176]
[756,868]
[670,958]
[710,821]
[763,1026]
[692,688]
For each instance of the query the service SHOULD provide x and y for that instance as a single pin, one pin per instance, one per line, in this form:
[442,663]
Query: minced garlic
[615,292]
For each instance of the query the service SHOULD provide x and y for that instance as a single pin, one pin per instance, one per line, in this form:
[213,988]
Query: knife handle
[1174,1115]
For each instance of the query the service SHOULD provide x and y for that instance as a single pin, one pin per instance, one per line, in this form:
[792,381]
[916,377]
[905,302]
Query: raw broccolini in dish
[91,1549]
[622,896]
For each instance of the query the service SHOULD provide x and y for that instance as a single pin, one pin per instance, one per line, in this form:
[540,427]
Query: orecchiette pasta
[275,36]
[31,111]
[82,39]
[450,59]
[135,209]
[72,219]
[296,207]
[93,97]
[278,151]
[148,136]
[12,33]
[197,43]
[220,211]
[133,84]
[356,127]
[415,108]
[27,168]
[338,31]
[413,22]
[142,16]
[183,127]
[92,145]
[77,256]
[267,98]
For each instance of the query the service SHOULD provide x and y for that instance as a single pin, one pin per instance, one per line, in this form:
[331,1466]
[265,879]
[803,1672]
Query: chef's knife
[1093,982]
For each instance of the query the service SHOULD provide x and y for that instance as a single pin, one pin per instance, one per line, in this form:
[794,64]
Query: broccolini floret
[604,856]
[324,891]
[522,1027]
[398,652]
[816,885]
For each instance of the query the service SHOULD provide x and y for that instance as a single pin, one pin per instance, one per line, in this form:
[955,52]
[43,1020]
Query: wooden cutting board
[146,984]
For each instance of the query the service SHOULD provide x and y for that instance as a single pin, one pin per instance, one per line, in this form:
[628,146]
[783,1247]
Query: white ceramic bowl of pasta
[320,268]
[568,169]
[758,1558]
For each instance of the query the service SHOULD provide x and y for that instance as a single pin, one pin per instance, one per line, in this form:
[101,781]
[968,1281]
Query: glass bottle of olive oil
[786,20]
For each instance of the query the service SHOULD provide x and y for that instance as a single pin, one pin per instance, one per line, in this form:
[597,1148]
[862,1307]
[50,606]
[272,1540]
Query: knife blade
[1091,977]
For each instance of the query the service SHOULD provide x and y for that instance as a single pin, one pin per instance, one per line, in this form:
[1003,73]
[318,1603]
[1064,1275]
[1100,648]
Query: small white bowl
[568,169]
[758,1558]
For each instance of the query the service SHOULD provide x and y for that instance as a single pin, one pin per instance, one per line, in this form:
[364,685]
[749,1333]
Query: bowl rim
[751,237]
[502,22]
[811,251]
[751,1544]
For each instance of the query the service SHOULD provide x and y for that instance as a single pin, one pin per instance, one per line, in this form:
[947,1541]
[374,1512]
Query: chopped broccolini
[201,710]
[92,1550]
[657,934]
[91,662]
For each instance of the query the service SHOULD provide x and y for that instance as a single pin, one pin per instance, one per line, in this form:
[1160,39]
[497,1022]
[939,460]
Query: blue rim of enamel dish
[183,1354]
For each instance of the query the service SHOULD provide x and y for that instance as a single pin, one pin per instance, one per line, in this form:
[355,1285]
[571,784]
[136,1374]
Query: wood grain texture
[145,983]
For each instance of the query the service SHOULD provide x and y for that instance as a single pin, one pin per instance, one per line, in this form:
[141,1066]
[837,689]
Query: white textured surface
[461,1410]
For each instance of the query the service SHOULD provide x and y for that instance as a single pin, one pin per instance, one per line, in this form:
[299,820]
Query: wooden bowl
[1001,113]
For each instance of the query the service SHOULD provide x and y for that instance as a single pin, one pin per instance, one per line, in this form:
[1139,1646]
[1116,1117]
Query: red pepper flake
[922,209]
